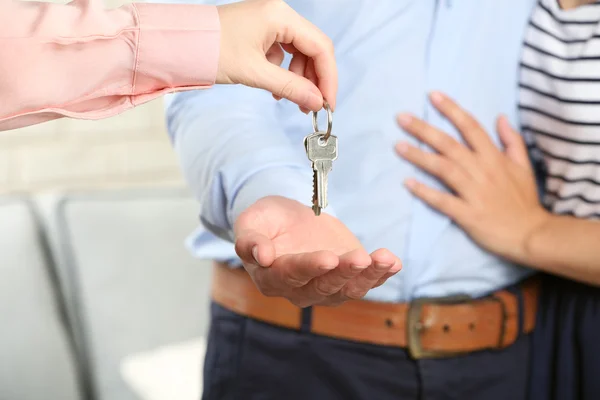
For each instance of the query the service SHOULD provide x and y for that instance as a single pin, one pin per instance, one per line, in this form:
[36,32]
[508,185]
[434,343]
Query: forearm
[233,151]
[566,246]
[82,61]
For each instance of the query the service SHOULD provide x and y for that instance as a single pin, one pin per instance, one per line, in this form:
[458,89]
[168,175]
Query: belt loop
[306,320]
[517,290]
[521,309]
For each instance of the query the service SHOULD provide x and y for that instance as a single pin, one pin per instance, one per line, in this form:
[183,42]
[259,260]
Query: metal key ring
[329,121]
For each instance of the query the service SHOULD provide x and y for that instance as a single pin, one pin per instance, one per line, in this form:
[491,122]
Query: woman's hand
[495,198]
[254,35]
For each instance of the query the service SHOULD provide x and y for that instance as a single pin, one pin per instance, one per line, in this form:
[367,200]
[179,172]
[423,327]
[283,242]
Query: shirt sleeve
[234,150]
[83,61]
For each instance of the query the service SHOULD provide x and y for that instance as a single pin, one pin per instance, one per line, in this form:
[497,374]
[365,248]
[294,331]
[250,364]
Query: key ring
[329,121]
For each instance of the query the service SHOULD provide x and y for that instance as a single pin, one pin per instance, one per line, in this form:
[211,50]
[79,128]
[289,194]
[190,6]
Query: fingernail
[382,266]
[304,110]
[436,98]
[357,268]
[410,183]
[397,267]
[276,97]
[402,147]
[404,120]
[327,267]
[255,254]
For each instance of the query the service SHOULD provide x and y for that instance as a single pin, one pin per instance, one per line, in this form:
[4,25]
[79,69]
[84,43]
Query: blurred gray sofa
[100,299]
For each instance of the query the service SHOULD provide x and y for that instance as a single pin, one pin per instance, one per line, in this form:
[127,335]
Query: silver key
[321,153]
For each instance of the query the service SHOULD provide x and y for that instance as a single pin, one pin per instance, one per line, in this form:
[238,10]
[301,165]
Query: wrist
[537,224]
[292,183]
[222,75]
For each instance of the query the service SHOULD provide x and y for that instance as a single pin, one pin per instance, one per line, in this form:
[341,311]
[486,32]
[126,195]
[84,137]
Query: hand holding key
[309,260]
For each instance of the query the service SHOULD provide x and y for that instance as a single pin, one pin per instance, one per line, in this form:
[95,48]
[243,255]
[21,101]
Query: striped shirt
[560,104]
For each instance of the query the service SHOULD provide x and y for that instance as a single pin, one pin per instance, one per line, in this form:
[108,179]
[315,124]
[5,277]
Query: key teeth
[316,209]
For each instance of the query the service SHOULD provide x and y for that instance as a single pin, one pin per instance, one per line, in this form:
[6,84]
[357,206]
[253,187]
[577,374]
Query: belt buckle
[414,326]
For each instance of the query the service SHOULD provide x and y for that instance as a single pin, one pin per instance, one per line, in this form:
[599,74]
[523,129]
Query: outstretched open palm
[289,252]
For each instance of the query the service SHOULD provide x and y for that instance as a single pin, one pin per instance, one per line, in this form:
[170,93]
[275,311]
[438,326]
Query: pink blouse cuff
[192,62]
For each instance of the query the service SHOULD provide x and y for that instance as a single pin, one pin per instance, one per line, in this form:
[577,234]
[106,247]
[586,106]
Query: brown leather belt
[428,328]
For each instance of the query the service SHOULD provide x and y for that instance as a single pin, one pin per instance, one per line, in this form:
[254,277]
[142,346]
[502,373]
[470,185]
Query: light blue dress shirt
[237,144]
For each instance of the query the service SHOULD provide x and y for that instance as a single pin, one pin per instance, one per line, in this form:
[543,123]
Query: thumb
[287,85]
[514,145]
[255,248]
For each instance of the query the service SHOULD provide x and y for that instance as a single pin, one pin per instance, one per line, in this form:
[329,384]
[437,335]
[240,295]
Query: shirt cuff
[178,46]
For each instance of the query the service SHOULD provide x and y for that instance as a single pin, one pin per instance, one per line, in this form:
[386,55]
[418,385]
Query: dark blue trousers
[250,360]
[566,342]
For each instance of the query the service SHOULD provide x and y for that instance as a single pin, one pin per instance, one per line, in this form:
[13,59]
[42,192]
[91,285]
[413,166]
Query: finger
[357,288]
[514,145]
[309,66]
[275,54]
[289,48]
[255,248]
[313,43]
[296,270]
[298,64]
[439,141]
[468,127]
[285,84]
[446,170]
[298,67]
[384,256]
[445,203]
[350,265]
[383,280]
[310,74]
[383,262]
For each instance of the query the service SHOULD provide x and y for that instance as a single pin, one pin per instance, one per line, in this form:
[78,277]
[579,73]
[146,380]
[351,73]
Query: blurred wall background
[131,149]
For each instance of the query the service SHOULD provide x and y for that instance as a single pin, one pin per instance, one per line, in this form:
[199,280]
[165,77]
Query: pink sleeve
[82,61]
